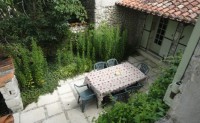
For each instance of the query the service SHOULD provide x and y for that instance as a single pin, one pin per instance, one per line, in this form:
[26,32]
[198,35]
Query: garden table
[113,79]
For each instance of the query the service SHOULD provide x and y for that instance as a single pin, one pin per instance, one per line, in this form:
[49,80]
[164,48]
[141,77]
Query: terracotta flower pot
[7,119]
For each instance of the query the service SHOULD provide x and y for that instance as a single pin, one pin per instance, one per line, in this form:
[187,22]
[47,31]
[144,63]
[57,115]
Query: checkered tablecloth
[113,79]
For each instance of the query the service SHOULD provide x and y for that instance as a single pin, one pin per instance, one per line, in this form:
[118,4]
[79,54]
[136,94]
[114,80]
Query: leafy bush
[51,79]
[142,107]
[45,20]
[30,64]
[38,65]
[103,43]
[70,64]
[85,48]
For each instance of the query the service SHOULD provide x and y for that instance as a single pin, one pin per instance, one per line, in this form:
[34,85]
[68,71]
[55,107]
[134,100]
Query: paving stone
[76,116]
[53,109]
[151,73]
[64,89]
[77,82]
[31,106]
[156,70]
[82,76]
[61,118]
[48,98]
[61,82]
[140,58]
[153,78]
[150,64]
[16,117]
[33,115]
[69,101]
[151,81]
[69,80]
[136,64]
[132,60]
[91,111]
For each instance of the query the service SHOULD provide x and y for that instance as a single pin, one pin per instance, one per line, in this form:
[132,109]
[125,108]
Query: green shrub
[51,79]
[38,64]
[30,64]
[102,43]
[142,107]
[22,66]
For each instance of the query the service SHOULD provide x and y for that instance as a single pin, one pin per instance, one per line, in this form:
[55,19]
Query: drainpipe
[194,38]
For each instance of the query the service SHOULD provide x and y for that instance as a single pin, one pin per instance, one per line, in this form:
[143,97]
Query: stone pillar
[9,86]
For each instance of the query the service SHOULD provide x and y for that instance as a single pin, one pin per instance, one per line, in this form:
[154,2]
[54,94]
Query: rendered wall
[186,105]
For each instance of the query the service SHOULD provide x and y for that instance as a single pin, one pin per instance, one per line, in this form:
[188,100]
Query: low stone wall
[9,85]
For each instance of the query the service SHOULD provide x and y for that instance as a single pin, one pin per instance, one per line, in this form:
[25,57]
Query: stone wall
[186,105]
[106,11]
[90,7]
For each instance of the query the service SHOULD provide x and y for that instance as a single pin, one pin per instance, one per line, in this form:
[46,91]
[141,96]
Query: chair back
[143,68]
[76,88]
[100,65]
[112,62]
[122,97]
[133,88]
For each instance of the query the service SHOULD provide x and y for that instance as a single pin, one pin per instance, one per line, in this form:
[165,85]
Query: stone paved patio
[61,105]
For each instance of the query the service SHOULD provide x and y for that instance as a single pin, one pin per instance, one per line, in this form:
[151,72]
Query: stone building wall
[186,105]
[106,11]
[90,7]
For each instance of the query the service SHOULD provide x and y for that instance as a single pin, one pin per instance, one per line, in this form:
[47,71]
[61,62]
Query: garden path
[61,105]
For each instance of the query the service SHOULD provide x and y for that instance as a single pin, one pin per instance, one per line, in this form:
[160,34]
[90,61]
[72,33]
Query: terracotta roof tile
[186,14]
[180,10]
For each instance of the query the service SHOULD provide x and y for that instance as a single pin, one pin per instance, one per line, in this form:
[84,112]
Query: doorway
[158,35]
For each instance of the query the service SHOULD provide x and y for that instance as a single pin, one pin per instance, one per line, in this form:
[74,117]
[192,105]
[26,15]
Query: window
[161,31]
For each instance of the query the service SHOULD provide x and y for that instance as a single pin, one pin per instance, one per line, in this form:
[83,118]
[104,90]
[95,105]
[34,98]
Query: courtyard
[61,105]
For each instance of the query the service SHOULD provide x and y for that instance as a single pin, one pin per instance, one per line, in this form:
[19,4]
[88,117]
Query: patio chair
[143,68]
[112,62]
[84,95]
[100,65]
[134,88]
[121,96]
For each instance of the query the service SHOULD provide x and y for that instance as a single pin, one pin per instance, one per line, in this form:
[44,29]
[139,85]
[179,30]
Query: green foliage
[73,8]
[38,64]
[45,20]
[30,64]
[85,48]
[102,43]
[142,107]
[70,63]
[51,79]
[22,66]
[27,29]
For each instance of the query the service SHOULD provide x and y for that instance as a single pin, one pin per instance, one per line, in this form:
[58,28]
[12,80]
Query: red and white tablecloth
[112,79]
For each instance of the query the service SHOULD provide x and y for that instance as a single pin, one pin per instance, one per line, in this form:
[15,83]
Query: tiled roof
[180,10]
